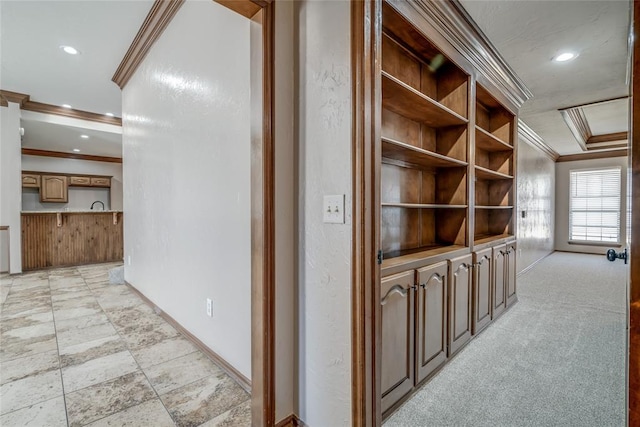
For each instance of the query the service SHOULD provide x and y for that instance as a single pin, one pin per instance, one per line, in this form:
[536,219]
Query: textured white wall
[536,196]
[562,202]
[11,182]
[325,249]
[79,198]
[186,140]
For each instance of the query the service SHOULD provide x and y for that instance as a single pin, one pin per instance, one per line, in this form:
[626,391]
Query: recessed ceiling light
[84,136]
[109,114]
[66,106]
[565,56]
[70,50]
[76,150]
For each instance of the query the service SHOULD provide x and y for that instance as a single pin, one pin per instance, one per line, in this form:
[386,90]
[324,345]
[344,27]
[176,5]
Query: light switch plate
[333,209]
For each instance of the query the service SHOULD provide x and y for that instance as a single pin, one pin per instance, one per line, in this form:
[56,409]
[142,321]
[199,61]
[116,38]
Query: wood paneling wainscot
[82,238]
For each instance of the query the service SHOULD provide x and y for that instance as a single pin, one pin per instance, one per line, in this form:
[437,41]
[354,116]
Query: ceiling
[529,34]
[32,62]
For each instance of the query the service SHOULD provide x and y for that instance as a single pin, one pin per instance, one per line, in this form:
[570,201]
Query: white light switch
[333,209]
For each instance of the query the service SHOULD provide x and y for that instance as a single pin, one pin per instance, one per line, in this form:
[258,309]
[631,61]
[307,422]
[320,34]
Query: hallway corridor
[76,350]
[557,358]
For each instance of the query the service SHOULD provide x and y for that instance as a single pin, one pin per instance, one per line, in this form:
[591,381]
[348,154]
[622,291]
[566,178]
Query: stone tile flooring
[76,350]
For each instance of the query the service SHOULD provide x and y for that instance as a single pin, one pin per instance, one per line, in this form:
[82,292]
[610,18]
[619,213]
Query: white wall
[562,202]
[536,196]
[11,182]
[186,141]
[79,198]
[324,249]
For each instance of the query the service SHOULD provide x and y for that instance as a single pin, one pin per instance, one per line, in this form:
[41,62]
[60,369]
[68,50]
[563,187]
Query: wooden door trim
[633,344]
[366,25]
[263,277]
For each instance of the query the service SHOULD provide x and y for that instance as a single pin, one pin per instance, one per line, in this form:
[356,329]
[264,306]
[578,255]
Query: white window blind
[595,205]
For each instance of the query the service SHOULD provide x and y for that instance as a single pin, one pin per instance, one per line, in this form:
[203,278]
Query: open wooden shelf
[422,206]
[488,238]
[484,173]
[489,142]
[396,150]
[402,99]
[494,207]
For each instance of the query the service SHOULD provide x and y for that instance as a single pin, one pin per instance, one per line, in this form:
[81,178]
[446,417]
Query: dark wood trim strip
[606,147]
[608,137]
[243,381]
[161,13]
[590,104]
[59,154]
[291,421]
[8,96]
[40,107]
[633,281]
[593,155]
[366,30]
[268,308]
[4,227]
[529,136]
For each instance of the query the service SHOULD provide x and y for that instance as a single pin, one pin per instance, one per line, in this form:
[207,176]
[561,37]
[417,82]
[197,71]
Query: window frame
[620,208]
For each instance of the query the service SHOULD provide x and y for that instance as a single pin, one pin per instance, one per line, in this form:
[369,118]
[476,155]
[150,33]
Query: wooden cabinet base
[82,238]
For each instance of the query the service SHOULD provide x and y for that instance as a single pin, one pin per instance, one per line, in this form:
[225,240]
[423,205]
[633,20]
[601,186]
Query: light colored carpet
[557,358]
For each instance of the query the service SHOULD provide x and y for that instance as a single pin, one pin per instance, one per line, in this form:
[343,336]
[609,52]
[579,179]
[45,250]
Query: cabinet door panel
[511,273]
[82,181]
[100,182]
[460,282]
[30,180]
[397,347]
[482,289]
[499,277]
[431,319]
[53,189]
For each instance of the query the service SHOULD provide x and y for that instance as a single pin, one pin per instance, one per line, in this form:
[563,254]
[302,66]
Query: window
[595,205]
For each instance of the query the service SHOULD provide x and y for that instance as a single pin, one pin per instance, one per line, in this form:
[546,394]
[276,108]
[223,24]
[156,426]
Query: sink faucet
[97,201]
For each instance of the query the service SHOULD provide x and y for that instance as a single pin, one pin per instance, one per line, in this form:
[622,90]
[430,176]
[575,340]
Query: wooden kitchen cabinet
[499,278]
[100,182]
[482,281]
[54,189]
[460,287]
[30,180]
[397,346]
[510,285]
[431,319]
[80,181]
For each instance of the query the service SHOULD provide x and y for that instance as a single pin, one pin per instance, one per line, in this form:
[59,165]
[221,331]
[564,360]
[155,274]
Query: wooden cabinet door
[481,289]
[80,181]
[460,284]
[510,285]
[30,180]
[397,346]
[431,319]
[499,278]
[54,189]
[100,182]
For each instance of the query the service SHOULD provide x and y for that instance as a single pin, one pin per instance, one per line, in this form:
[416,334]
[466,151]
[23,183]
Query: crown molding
[608,137]
[452,20]
[161,13]
[26,104]
[62,155]
[578,125]
[528,135]
[246,8]
[593,155]
[7,96]
[40,107]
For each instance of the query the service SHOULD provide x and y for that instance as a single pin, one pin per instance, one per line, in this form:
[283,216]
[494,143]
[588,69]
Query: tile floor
[76,350]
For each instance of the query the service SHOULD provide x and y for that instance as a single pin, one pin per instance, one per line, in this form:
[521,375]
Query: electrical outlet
[333,209]
[209,307]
